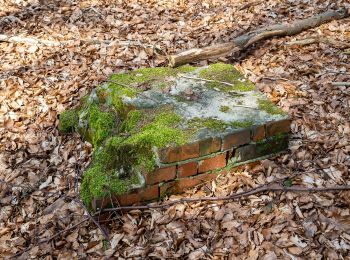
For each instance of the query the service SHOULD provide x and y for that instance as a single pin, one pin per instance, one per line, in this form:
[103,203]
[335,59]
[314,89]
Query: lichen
[224,109]
[221,72]
[68,121]
[270,107]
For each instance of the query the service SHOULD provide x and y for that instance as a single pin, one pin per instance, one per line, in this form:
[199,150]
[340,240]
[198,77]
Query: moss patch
[270,107]
[217,125]
[221,72]
[68,121]
[224,109]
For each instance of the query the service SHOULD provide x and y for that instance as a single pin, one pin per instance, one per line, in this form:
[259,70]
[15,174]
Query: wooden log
[244,41]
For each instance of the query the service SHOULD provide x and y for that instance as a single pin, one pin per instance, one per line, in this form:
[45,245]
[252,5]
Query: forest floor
[40,169]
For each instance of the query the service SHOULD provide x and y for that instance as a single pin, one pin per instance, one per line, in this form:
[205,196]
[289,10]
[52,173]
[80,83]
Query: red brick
[139,195]
[236,139]
[189,151]
[161,174]
[212,163]
[277,127]
[134,196]
[187,169]
[179,153]
[209,145]
[169,154]
[258,133]
[180,185]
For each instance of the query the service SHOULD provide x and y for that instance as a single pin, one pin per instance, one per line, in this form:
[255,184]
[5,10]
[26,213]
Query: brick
[209,145]
[212,163]
[189,151]
[179,153]
[277,127]
[236,139]
[187,169]
[161,174]
[169,154]
[138,195]
[258,133]
[182,184]
[132,197]
[272,145]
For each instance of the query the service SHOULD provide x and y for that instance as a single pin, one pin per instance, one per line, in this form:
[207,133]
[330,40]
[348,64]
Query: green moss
[270,107]
[101,124]
[210,123]
[222,72]
[68,121]
[129,152]
[224,109]
[160,132]
[242,124]
[130,123]
[218,125]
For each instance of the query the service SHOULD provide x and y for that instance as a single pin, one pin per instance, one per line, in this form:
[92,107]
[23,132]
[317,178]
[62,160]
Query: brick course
[188,168]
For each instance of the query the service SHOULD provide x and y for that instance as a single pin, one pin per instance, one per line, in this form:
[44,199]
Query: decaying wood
[272,187]
[244,41]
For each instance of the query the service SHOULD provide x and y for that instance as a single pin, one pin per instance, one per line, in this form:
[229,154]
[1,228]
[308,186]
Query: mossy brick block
[144,121]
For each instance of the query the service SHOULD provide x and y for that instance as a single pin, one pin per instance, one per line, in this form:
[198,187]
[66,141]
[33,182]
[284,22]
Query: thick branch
[244,41]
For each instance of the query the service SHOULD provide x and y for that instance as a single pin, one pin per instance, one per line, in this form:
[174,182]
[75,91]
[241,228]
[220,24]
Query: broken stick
[244,41]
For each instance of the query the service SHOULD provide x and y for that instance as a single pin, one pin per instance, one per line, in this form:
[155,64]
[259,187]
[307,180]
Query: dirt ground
[41,169]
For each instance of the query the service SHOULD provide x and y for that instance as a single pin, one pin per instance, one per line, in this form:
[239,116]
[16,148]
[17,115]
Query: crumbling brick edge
[194,166]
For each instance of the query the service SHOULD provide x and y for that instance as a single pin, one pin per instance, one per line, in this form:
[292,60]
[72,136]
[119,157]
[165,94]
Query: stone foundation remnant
[158,131]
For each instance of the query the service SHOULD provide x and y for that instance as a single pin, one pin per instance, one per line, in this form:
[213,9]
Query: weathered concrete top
[134,113]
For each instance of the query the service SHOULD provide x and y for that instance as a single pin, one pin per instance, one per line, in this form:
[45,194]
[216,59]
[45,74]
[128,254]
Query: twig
[303,42]
[245,107]
[103,231]
[211,80]
[257,190]
[347,84]
[50,238]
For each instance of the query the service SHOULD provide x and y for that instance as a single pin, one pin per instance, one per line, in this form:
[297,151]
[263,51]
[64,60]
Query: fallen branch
[244,41]
[260,189]
[341,84]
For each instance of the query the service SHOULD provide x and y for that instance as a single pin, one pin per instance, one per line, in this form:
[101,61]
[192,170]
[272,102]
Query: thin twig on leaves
[50,238]
[260,189]
[346,84]
[103,231]
[211,80]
